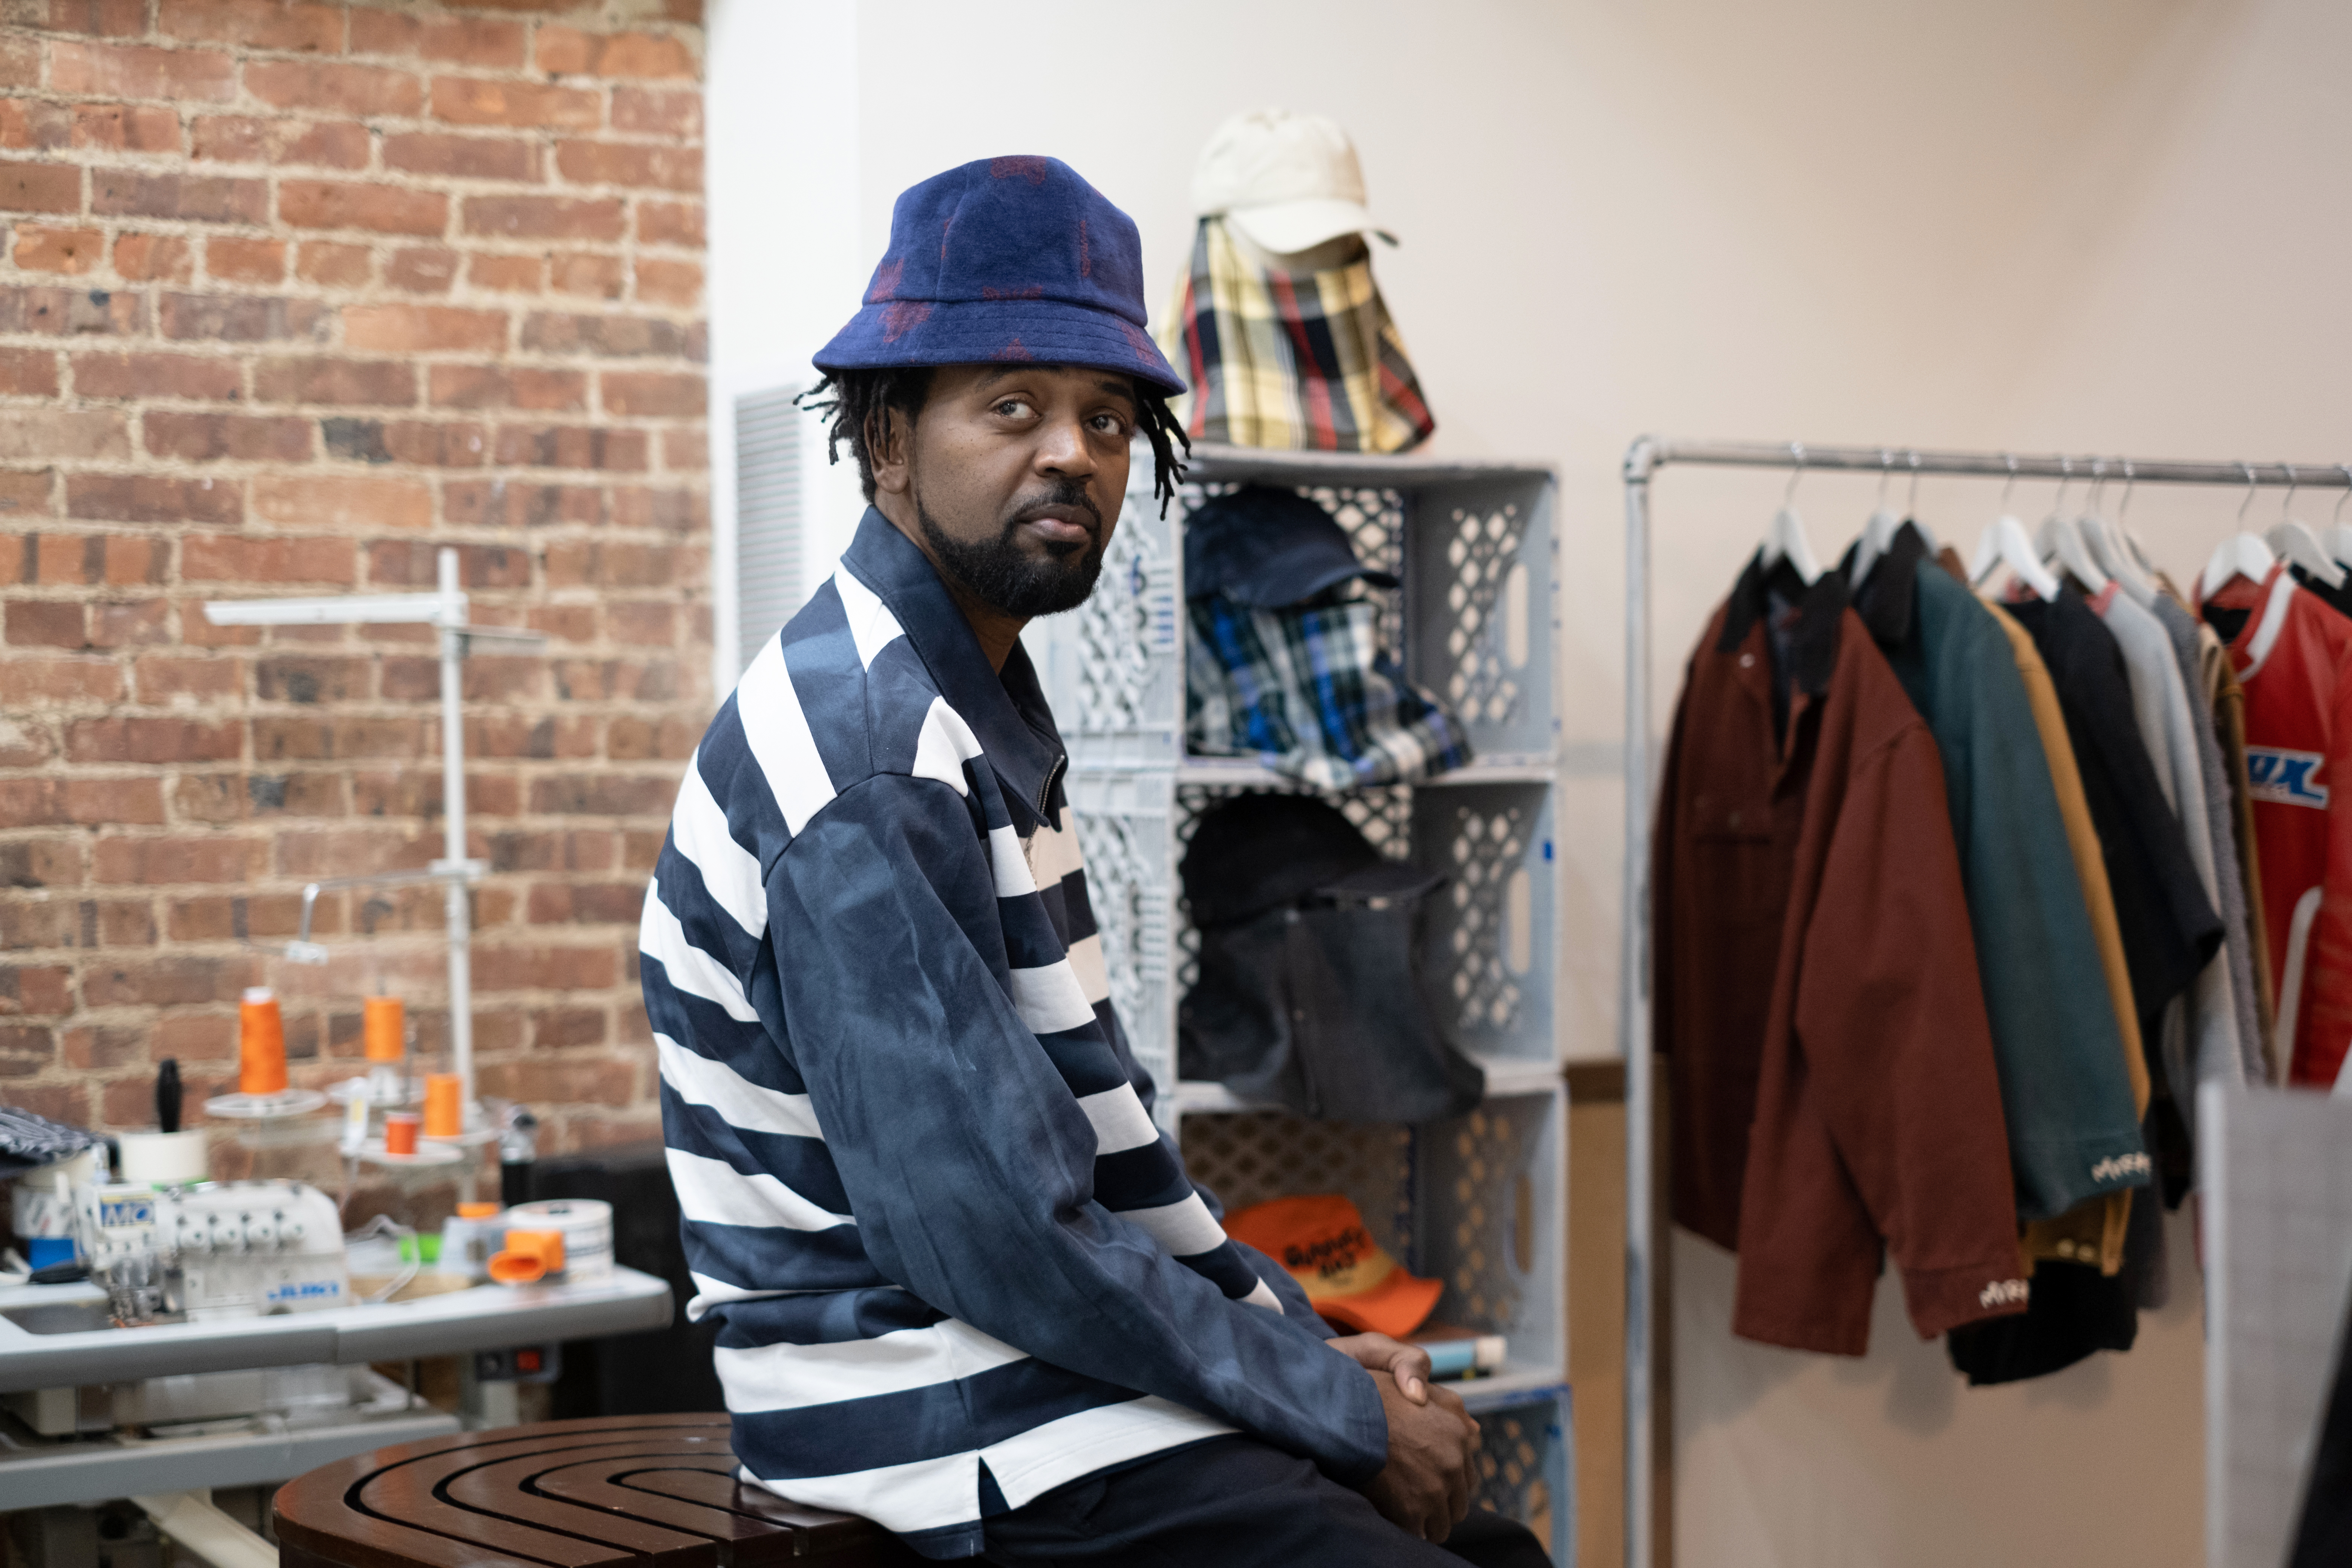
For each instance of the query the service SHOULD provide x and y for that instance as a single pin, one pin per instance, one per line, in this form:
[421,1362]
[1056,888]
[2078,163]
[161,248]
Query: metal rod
[1643,459]
[453,818]
[1633,1017]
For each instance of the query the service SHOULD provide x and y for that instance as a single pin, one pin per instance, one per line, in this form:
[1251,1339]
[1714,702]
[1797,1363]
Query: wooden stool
[639,1489]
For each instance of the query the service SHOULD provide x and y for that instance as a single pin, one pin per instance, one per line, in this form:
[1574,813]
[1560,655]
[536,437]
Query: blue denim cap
[1006,258]
[1266,547]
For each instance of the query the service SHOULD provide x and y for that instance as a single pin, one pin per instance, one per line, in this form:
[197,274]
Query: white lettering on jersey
[2285,777]
[2116,1165]
[2002,1293]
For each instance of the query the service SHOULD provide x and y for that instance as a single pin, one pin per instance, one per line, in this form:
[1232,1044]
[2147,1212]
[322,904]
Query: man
[965,1287]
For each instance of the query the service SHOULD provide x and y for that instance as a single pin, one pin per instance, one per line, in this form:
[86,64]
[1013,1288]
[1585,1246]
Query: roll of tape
[587,1227]
[164,1158]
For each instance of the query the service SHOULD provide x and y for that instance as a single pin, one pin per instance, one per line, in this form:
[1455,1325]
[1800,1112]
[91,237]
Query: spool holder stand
[445,609]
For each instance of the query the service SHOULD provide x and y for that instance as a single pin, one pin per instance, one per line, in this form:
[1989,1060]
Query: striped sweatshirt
[954,1261]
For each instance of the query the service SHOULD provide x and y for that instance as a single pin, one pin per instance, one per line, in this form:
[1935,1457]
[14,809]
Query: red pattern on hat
[903,316]
[1013,350]
[1086,261]
[1034,291]
[1032,170]
[886,280]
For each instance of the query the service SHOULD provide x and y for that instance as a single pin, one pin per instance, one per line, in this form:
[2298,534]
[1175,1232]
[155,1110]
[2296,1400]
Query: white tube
[190,1519]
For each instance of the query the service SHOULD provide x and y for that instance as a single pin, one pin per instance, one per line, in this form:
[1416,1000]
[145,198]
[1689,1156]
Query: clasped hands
[1425,1488]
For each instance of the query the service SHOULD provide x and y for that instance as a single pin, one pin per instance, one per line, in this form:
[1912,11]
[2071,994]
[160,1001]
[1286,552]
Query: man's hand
[1425,1490]
[1409,1364]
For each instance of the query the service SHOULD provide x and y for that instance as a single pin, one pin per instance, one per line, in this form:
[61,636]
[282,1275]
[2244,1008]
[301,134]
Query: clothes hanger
[1911,507]
[2240,555]
[2339,534]
[2298,544]
[2105,539]
[2059,539]
[2006,544]
[1785,539]
[1879,531]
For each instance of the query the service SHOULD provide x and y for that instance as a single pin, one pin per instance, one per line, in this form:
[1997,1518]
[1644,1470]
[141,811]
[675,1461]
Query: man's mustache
[1064,492]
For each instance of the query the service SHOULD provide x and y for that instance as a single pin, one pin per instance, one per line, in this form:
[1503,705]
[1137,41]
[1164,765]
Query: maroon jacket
[1831,1070]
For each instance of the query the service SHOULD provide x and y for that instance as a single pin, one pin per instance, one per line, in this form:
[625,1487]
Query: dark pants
[1228,1503]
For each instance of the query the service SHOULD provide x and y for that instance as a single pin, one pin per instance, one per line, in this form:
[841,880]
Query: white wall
[2110,224]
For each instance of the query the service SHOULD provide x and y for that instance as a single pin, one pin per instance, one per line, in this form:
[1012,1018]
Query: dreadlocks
[856,399]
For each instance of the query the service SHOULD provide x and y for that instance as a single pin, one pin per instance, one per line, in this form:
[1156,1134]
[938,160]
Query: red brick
[28,123]
[604,795]
[474,100]
[462,157]
[505,273]
[27,1049]
[364,90]
[669,282]
[130,560]
[243,318]
[412,564]
[545,1081]
[236,558]
[20,60]
[199,1037]
[336,501]
[256,24]
[387,209]
[23,495]
[46,433]
[686,451]
[245,260]
[377,383]
[100,1046]
[127,801]
[585,903]
[545,968]
[40,187]
[498,387]
[197,631]
[630,164]
[23,681]
[129,623]
[190,198]
[336,266]
[68,312]
[114,70]
[545,217]
[104,18]
[586,272]
[422,269]
[203,438]
[242,139]
[29,990]
[29,372]
[670,223]
[162,678]
[41,863]
[148,257]
[295,678]
[411,328]
[566,623]
[143,375]
[151,498]
[510,505]
[555,1028]
[567,51]
[643,623]
[572,446]
[168,981]
[650,112]
[41,249]
[152,740]
[611,337]
[648,395]
[126,127]
[94,559]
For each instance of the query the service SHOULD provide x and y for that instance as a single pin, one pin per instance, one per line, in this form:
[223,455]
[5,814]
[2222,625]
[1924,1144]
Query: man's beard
[999,573]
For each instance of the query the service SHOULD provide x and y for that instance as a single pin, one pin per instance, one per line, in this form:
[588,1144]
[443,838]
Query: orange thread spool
[260,1043]
[400,1131]
[445,1112]
[384,1023]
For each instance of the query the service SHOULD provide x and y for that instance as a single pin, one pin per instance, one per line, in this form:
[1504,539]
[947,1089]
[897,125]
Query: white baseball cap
[1290,182]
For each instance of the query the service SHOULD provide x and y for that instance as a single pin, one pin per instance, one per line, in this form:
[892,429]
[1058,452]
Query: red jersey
[2293,655]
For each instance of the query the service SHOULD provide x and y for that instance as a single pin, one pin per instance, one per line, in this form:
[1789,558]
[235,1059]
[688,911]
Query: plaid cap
[1307,363]
[1310,692]
[1005,258]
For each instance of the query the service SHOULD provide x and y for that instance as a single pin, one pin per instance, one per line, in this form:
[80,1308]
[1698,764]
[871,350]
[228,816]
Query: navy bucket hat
[1005,258]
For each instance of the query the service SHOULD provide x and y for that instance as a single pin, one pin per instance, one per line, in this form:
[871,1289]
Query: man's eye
[1012,407]
[1109,423]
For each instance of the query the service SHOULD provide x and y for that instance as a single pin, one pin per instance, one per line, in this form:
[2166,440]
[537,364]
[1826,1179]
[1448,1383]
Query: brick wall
[289,296]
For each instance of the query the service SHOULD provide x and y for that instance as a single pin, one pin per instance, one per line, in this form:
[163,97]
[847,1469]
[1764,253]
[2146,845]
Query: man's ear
[889,450]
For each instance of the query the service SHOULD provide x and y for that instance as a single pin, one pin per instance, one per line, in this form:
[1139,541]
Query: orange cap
[516,1267]
[260,1043]
[547,1245]
[1347,1276]
[477,1211]
[382,1025]
[444,1114]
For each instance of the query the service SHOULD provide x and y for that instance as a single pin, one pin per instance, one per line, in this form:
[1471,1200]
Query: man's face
[1015,474]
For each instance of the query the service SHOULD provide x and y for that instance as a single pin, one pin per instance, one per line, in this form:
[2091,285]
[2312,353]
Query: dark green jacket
[2064,1091]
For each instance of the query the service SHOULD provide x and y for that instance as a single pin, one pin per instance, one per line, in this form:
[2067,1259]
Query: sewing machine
[221,1249]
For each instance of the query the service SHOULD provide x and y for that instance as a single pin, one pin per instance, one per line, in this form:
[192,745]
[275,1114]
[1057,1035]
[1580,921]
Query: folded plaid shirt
[1299,363]
[1309,692]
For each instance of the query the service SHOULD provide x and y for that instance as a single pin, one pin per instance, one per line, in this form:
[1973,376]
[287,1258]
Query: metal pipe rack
[1643,459]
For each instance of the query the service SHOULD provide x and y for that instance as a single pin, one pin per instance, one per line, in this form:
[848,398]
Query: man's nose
[1063,449]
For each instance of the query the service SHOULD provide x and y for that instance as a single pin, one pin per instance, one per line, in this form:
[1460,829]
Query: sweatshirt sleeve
[970,1165]
[1887,1124]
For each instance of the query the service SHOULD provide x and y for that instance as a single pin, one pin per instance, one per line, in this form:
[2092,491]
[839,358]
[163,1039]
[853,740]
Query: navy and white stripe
[921,1185]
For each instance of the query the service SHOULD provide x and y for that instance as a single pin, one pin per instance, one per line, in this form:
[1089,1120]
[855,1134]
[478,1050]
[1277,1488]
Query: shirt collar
[1007,713]
[1889,595]
[1818,609]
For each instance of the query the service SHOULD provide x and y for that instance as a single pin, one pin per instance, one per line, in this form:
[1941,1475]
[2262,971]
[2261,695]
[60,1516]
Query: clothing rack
[1643,459]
